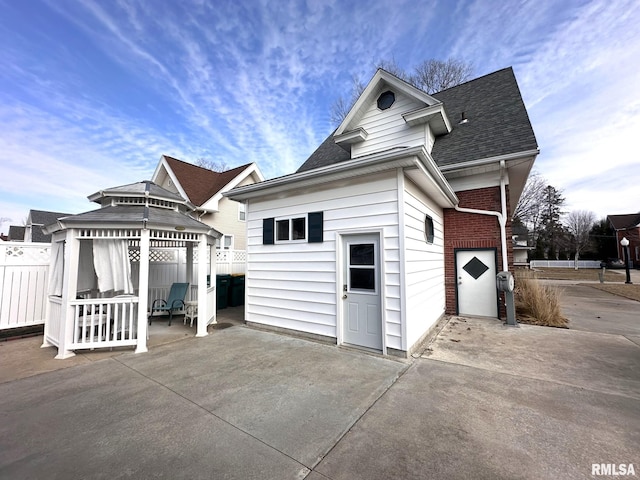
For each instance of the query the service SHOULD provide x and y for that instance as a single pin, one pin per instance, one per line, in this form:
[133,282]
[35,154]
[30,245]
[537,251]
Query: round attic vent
[386,99]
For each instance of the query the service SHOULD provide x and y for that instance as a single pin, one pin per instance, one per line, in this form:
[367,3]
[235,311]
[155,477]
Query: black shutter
[316,227]
[267,231]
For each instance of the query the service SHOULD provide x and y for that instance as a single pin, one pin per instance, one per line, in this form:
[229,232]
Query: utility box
[505,282]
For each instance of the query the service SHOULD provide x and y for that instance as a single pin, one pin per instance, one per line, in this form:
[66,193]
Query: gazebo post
[69,292]
[143,291]
[203,314]
[189,265]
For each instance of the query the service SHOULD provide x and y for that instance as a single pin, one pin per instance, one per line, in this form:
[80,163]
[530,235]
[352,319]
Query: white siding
[293,285]
[424,264]
[387,129]
[226,219]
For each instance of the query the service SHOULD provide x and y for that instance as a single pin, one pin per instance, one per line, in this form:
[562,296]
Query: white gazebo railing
[108,322]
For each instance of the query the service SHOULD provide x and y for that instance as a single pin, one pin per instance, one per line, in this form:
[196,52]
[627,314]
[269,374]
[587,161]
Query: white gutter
[404,157]
[489,160]
[502,216]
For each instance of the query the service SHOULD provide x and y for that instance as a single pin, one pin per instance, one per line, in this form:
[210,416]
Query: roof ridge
[474,79]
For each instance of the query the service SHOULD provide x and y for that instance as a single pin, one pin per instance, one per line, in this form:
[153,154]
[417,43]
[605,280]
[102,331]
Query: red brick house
[627,226]
[400,216]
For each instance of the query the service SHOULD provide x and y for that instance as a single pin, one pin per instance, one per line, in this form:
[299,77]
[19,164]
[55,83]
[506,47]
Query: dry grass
[623,290]
[538,304]
[582,274]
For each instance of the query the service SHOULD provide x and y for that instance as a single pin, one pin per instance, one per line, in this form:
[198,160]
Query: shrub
[536,303]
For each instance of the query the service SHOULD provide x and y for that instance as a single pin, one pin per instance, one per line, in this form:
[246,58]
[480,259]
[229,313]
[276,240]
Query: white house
[204,188]
[400,216]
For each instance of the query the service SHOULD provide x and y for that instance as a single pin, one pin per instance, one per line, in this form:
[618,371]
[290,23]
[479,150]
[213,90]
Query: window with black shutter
[267,231]
[316,227]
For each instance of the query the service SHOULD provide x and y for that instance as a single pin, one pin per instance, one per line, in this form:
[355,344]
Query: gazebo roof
[145,188]
[137,205]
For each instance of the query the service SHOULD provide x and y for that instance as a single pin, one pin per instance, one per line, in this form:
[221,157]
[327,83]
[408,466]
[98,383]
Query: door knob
[344,296]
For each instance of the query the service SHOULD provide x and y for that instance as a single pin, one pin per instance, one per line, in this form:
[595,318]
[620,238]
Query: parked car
[615,263]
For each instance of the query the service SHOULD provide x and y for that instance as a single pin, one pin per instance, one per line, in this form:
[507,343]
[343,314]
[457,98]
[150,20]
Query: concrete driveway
[238,404]
[485,402]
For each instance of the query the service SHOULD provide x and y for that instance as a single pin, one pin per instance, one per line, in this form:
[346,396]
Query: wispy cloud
[92,92]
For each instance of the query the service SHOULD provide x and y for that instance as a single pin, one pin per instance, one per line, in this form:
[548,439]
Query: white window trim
[289,219]
[242,208]
[220,242]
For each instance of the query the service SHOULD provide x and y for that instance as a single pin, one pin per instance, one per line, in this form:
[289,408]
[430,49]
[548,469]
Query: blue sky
[92,92]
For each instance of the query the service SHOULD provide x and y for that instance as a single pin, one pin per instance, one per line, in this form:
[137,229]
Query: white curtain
[56,273]
[111,263]
[86,273]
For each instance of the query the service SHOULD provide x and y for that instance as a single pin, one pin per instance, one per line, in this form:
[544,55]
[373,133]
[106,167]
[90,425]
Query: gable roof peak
[200,184]
[381,79]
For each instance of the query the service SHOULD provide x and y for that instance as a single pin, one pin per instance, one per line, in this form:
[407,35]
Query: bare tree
[214,165]
[579,224]
[430,76]
[342,105]
[433,76]
[528,209]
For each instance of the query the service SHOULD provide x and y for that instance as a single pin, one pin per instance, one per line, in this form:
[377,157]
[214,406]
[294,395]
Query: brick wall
[469,230]
[633,235]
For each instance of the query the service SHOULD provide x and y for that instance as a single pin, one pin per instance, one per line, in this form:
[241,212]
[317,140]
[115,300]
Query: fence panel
[231,261]
[564,264]
[24,271]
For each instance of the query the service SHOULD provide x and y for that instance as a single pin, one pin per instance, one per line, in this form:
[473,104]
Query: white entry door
[476,279]
[362,315]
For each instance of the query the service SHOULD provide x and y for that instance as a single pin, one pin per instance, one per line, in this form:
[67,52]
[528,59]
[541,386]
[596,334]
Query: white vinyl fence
[24,271]
[564,264]
[231,261]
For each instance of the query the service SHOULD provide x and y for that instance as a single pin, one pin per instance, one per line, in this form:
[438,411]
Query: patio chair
[175,301]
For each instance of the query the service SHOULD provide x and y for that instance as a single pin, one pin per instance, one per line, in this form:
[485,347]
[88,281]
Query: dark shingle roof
[622,222]
[139,189]
[40,218]
[199,183]
[328,153]
[16,233]
[498,124]
[134,214]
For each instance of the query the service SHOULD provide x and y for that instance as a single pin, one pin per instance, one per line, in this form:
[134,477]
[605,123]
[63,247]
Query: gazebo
[96,299]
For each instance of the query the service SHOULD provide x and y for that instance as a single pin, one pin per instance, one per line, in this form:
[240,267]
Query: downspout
[502,216]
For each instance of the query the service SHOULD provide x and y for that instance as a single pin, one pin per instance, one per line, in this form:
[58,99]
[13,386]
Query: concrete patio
[485,401]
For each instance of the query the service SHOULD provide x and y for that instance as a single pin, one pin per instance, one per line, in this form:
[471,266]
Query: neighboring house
[38,219]
[521,248]
[204,189]
[400,216]
[16,233]
[627,226]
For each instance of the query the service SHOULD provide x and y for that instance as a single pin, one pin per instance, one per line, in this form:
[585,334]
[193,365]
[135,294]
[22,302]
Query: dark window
[298,228]
[282,229]
[362,254]
[429,231]
[386,99]
[362,278]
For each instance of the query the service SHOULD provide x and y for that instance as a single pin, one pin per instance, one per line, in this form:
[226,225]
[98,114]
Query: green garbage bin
[222,288]
[236,292]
